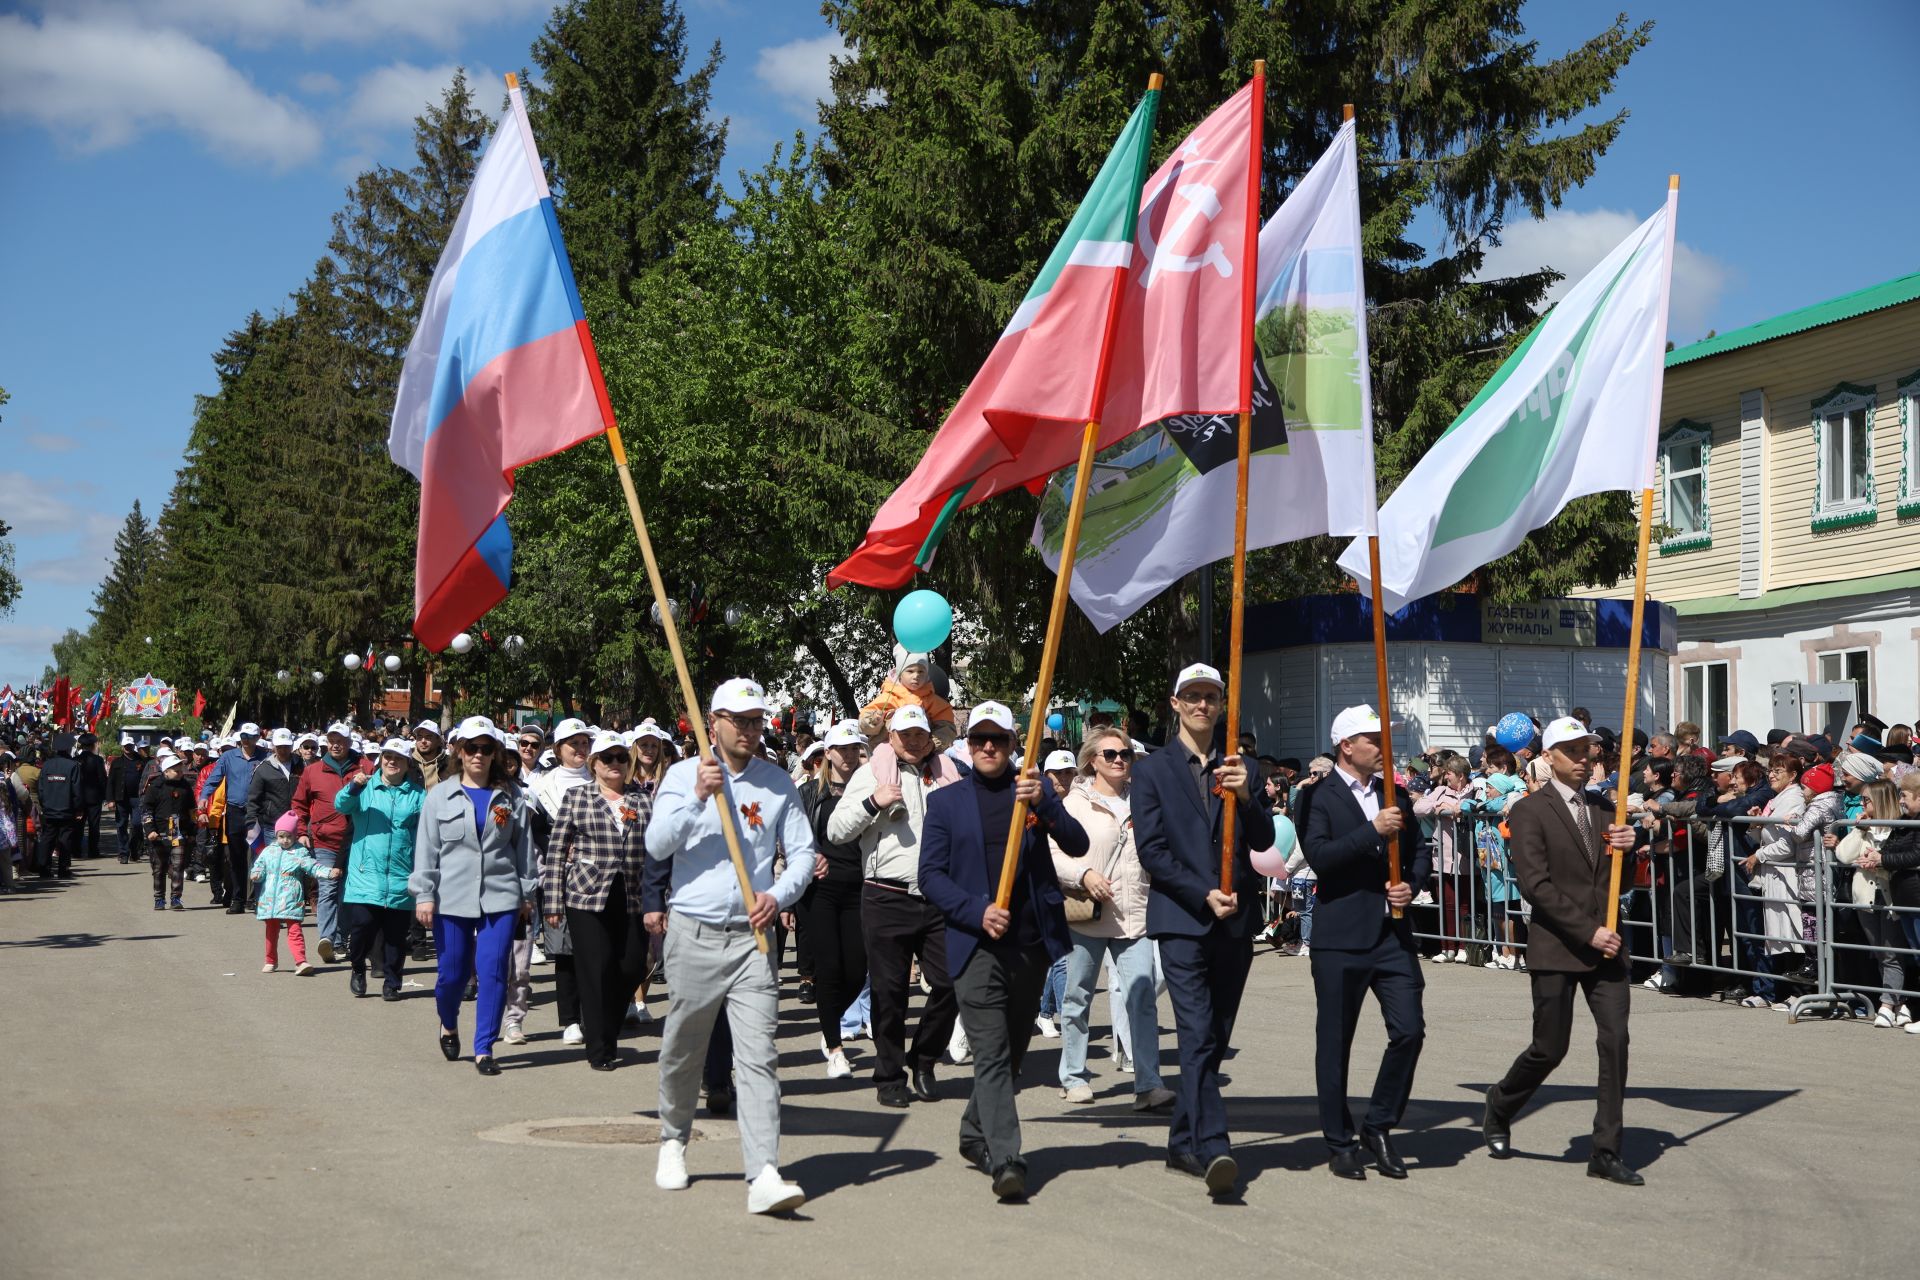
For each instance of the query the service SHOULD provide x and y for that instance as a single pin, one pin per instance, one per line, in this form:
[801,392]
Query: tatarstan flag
[1167,342]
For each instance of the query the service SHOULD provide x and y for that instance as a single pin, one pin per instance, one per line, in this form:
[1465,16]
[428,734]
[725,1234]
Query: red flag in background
[199,704]
[57,702]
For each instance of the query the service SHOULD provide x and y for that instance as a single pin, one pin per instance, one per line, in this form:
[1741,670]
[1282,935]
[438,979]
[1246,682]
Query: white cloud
[315,22]
[801,71]
[46,442]
[1574,243]
[319,84]
[390,97]
[25,651]
[35,507]
[103,83]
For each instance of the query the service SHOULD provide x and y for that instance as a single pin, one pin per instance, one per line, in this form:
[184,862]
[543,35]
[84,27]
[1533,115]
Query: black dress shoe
[719,1102]
[923,1084]
[974,1152]
[1605,1164]
[1010,1180]
[235,909]
[601,1064]
[1351,1163]
[450,1047]
[1385,1158]
[1186,1162]
[806,990]
[486,1066]
[1680,959]
[389,993]
[894,1093]
[357,981]
[1494,1129]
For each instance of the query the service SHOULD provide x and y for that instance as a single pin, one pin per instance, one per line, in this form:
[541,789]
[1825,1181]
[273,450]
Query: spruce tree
[135,548]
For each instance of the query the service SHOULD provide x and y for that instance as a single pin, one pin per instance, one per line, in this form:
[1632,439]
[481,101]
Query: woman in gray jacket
[473,875]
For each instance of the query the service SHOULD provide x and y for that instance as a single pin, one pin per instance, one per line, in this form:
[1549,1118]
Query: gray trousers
[710,968]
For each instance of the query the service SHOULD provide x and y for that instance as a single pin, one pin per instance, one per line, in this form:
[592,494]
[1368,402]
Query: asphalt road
[174,1112]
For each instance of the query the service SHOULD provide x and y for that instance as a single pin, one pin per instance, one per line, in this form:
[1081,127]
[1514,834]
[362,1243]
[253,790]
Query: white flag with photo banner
[1160,503]
[1573,411]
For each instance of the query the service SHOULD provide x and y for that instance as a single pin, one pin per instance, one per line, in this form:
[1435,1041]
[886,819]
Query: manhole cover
[589,1131]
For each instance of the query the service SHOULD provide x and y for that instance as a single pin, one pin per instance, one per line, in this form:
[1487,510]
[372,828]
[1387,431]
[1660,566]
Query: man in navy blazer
[1357,944]
[998,957]
[1205,935]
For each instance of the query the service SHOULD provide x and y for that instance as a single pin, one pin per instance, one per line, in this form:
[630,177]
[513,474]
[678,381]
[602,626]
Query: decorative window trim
[1844,398]
[1908,391]
[1686,431]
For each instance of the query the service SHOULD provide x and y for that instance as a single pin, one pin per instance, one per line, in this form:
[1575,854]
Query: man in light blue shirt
[711,959]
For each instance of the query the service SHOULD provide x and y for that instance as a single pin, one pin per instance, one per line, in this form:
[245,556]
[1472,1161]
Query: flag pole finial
[1346,112]
[1673,182]
[1154,82]
[513,81]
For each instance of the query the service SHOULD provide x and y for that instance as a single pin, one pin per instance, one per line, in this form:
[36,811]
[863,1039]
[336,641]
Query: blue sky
[170,165]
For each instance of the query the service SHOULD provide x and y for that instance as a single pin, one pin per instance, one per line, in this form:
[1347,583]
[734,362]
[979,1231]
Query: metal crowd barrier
[1833,964]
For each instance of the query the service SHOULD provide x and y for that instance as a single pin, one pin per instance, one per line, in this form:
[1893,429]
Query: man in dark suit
[998,956]
[1560,843]
[1358,946]
[1204,935]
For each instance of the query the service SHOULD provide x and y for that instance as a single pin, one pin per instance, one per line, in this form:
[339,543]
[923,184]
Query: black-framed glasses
[745,724]
[1200,697]
[1111,754]
[996,740]
[617,758]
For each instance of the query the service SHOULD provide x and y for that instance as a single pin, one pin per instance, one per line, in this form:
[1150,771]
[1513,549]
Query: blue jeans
[468,947]
[326,898]
[1133,975]
[859,1012]
[1302,887]
[1050,995]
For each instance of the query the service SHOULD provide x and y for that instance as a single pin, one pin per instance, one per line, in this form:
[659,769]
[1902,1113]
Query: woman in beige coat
[1110,876]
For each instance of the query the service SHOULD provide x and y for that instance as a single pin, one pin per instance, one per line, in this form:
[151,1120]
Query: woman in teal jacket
[384,809]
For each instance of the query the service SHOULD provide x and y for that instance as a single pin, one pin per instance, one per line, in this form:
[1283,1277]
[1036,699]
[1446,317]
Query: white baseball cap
[738,696]
[911,716]
[607,742]
[475,727]
[402,747]
[813,749]
[571,727]
[1061,760]
[126,739]
[249,730]
[1199,673]
[846,734]
[1565,729]
[652,730]
[282,738]
[306,737]
[1355,720]
[994,713]
[428,726]
[167,759]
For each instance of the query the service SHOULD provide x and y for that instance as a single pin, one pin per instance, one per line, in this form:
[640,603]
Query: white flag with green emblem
[1572,412]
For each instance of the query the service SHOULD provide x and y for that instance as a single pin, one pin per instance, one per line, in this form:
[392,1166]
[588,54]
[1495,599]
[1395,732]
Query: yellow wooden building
[1787,510]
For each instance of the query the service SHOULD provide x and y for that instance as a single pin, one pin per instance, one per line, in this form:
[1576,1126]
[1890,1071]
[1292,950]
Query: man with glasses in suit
[1358,944]
[1205,933]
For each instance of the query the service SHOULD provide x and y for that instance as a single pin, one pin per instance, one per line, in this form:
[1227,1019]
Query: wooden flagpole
[1237,626]
[1062,592]
[728,821]
[1614,858]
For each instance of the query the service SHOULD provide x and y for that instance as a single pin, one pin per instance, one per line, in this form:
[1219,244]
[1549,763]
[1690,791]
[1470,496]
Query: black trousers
[59,845]
[609,955]
[1206,974]
[1608,991]
[830,931]
[169,863]
[999,997]
[718,1072]
[239,862]
[1341,981]
[93,830]
[898,927]
[127,829]
[367,923]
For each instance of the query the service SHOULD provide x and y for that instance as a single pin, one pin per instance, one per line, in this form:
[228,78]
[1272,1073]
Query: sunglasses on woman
[482,746]
[1111,754]
[616,758]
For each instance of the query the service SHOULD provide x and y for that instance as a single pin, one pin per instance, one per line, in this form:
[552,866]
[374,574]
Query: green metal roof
[1804,594]
[1845,307]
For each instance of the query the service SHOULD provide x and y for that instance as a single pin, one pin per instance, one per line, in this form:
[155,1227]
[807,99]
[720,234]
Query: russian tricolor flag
[500,373]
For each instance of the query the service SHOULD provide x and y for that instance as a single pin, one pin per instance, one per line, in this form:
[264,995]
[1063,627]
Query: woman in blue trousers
[474,874]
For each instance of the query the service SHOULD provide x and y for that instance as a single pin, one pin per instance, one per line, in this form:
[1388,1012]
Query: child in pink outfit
[283,871]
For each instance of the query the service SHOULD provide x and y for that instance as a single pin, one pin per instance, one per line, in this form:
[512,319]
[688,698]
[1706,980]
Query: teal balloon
[1056,722]
[922,621]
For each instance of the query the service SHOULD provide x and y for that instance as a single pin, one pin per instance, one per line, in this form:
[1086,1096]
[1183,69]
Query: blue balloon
[1056,722]
[922,621]
[1514,731]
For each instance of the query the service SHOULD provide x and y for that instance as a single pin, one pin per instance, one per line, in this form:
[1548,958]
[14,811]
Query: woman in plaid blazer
[595,857]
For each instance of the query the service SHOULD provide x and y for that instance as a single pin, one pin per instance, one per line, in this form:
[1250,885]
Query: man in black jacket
[57,796]
[92,772]
[1205,933]
[123,788]
[1358,946]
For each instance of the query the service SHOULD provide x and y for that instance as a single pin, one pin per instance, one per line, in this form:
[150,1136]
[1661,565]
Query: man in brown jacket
[1560,849]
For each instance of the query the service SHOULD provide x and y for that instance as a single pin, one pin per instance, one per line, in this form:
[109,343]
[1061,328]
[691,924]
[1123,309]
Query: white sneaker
[326,945]
[1509,962]
[1493,963]
[1913,1028]
[573,1034]
[1424,898]
[1124,1064]
[637,1012]
[540,952]
[514,1033]
[1904,1017]
[670,1174]
[1044,1025]
[771,1193]
[1078,1093]
[838,1068]
[1306,950]
[1884,1018]
[958,1050]
[1457,956]
[1654,983]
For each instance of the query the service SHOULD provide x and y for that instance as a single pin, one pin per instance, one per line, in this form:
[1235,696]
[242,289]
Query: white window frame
[1846,398]
[404,676]
[1712,729]
[1864,683]
[1685,434]
[1908,390]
